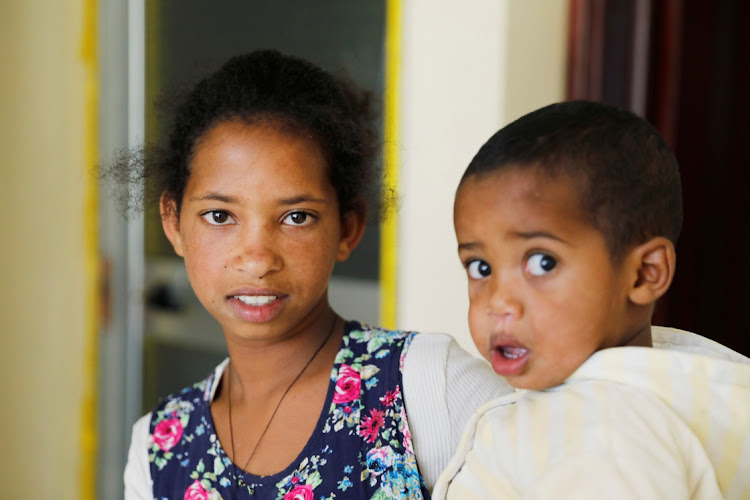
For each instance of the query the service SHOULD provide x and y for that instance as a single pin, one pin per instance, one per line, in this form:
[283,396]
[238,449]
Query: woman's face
[259,228]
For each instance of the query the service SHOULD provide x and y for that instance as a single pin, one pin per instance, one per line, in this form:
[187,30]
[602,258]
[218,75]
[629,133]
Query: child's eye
[478,269]
[298,219]
[539,264]
[218,217]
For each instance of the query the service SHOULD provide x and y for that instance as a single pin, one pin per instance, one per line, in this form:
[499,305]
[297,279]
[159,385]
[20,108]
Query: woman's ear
[170,222]
[352,230]
[654,264]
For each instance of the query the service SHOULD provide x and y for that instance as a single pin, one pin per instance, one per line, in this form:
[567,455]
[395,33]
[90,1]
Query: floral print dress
[361,447]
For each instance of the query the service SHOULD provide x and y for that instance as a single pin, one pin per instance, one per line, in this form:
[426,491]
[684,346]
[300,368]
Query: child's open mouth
[509,360]
[513,352]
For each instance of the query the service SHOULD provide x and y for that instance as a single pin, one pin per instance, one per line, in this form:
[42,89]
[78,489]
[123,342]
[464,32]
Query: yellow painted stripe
[389,226]
[88,433]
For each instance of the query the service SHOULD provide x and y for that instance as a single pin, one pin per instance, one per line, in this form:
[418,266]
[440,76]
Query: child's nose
[257,255]
[505,304]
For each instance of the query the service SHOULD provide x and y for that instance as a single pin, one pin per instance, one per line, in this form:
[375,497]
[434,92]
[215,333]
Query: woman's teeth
[513,352]
[255,300]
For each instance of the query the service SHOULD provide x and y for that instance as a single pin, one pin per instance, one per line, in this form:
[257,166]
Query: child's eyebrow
[527,235]
[469,246]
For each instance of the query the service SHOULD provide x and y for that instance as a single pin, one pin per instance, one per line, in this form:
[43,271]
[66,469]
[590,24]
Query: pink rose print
[196,491]
[347,385]
[370,426]
[167,433]
[300,492]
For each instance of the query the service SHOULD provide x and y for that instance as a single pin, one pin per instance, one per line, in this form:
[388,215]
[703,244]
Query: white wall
[467,69]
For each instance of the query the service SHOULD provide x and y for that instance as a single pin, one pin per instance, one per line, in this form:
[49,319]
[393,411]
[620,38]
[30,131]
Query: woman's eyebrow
[215,197]
[301,199]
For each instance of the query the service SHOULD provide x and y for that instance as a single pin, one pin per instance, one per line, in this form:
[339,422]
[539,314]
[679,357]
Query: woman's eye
[218,218]
[298,219]
[478,269]
[540,264]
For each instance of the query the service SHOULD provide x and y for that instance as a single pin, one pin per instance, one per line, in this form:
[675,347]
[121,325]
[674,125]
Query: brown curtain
[685,66]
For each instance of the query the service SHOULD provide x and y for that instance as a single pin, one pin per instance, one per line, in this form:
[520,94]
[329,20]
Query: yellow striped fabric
[632,422]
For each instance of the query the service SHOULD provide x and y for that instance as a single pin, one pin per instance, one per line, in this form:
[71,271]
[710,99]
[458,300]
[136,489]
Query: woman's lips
[256,300]
[509,360]
[257,307]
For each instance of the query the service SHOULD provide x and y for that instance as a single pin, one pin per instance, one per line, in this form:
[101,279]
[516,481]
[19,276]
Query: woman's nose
[258,254]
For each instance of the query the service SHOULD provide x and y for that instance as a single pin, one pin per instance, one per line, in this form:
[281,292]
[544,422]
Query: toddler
[566,221]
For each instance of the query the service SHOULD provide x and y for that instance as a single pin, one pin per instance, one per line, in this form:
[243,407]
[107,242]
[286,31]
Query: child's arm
[137,471]
[591,440]
[640,475]
[443,384]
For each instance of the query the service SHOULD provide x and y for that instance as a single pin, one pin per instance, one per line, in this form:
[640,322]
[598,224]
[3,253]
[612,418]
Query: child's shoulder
[541,430]
[535,441]
[674,339]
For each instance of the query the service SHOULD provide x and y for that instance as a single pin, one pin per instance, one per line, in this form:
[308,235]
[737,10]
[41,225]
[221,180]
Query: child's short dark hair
[628,177]
[270,88]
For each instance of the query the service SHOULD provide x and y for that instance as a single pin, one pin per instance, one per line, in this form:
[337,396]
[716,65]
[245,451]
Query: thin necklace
[240,482]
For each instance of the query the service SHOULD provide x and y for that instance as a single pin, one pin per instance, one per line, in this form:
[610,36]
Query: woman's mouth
[256,300]
[257,307]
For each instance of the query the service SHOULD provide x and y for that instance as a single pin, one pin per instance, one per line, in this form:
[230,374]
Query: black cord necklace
[241,482]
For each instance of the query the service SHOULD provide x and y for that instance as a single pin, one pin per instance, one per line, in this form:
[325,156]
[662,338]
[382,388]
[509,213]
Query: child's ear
[352,230]
[653,263]
[170,222]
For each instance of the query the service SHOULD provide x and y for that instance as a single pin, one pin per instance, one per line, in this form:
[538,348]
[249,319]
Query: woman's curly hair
[273,89]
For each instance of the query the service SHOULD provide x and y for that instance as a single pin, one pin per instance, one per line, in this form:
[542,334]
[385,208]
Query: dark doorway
[685,66]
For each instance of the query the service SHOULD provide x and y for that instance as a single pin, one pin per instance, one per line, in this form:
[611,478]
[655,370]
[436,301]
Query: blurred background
[97,318]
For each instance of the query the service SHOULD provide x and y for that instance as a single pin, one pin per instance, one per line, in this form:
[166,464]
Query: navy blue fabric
[361,447]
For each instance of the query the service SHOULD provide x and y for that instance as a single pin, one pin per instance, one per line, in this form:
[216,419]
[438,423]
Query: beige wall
[468,68]
[466,72]
[46,256]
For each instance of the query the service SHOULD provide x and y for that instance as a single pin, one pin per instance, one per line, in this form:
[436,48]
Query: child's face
[544,293]
[260,229]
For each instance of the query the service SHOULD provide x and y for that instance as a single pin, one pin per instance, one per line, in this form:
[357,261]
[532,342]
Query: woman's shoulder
[435,342]
[437,359]
[162,429]
[363,332]
[182,403]
[432,354]
[361,339]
